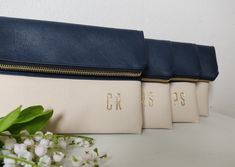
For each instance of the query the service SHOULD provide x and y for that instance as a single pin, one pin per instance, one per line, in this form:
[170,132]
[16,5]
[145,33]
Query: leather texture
[160,60]
[185,61]
[202,89]
[156,105]
[80,106]
[184,102]
[33,42]
[208,62]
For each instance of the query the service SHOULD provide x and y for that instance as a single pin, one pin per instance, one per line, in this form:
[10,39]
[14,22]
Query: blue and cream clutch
[155,86]
[209,72]
[89,75]
[186,72]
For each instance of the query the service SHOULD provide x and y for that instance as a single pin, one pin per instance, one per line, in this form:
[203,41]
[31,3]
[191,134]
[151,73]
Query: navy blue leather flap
[209,67]
[34,42]
[160,59]
[186,60]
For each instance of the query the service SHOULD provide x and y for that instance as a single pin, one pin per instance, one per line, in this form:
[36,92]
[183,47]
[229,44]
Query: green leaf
[34,125]
[1,144]
[29,114]
[9,119]
[96,151]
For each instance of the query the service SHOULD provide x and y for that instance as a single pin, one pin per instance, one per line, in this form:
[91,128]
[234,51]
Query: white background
[210,22]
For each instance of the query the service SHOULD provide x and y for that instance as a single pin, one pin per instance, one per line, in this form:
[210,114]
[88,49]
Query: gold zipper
[184,79]
[155,80]
[173,79]
[67,71]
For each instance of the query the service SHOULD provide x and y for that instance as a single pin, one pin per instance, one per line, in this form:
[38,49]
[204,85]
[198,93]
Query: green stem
[89,139]
[18,160]
[72,135]
[58,135]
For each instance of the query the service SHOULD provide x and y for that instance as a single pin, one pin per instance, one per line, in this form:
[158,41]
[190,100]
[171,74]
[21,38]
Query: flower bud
[24,134]
[9,162]
[20,149]
[40,150]
[62,143]
[29,142]
[49,135]
[44,161]
[58,156]
[38,136]
[45,143]
[9,143]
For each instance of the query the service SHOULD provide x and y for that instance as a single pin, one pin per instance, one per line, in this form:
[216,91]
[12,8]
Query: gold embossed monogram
[179,98]
[147,99]
[113,102]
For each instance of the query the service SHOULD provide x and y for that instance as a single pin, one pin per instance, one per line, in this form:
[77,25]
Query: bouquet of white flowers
[22,144]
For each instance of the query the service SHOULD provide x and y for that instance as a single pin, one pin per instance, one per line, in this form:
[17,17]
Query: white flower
[27,165]
[28,142]
[49,135]
[20,149]
[9,143]
[6,152]
[44,142]
[38,136]
[9,162]
[24,134]
[40,150]
[62,143]
[88,157]
[86,144]
[9,165]
[78,140]
[44,161]
[27,156]
[58,156]
[70,140]
[51,144]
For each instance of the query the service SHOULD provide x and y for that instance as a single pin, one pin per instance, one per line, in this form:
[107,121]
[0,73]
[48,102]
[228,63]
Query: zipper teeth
[56,70]
[156,80]
[184,79]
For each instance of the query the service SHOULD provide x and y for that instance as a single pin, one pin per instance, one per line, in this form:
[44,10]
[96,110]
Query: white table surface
[210,143]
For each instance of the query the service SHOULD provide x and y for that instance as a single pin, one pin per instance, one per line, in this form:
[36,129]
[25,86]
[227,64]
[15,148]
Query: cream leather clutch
[84,106]
[202,89]
[156,105]
[184,102]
